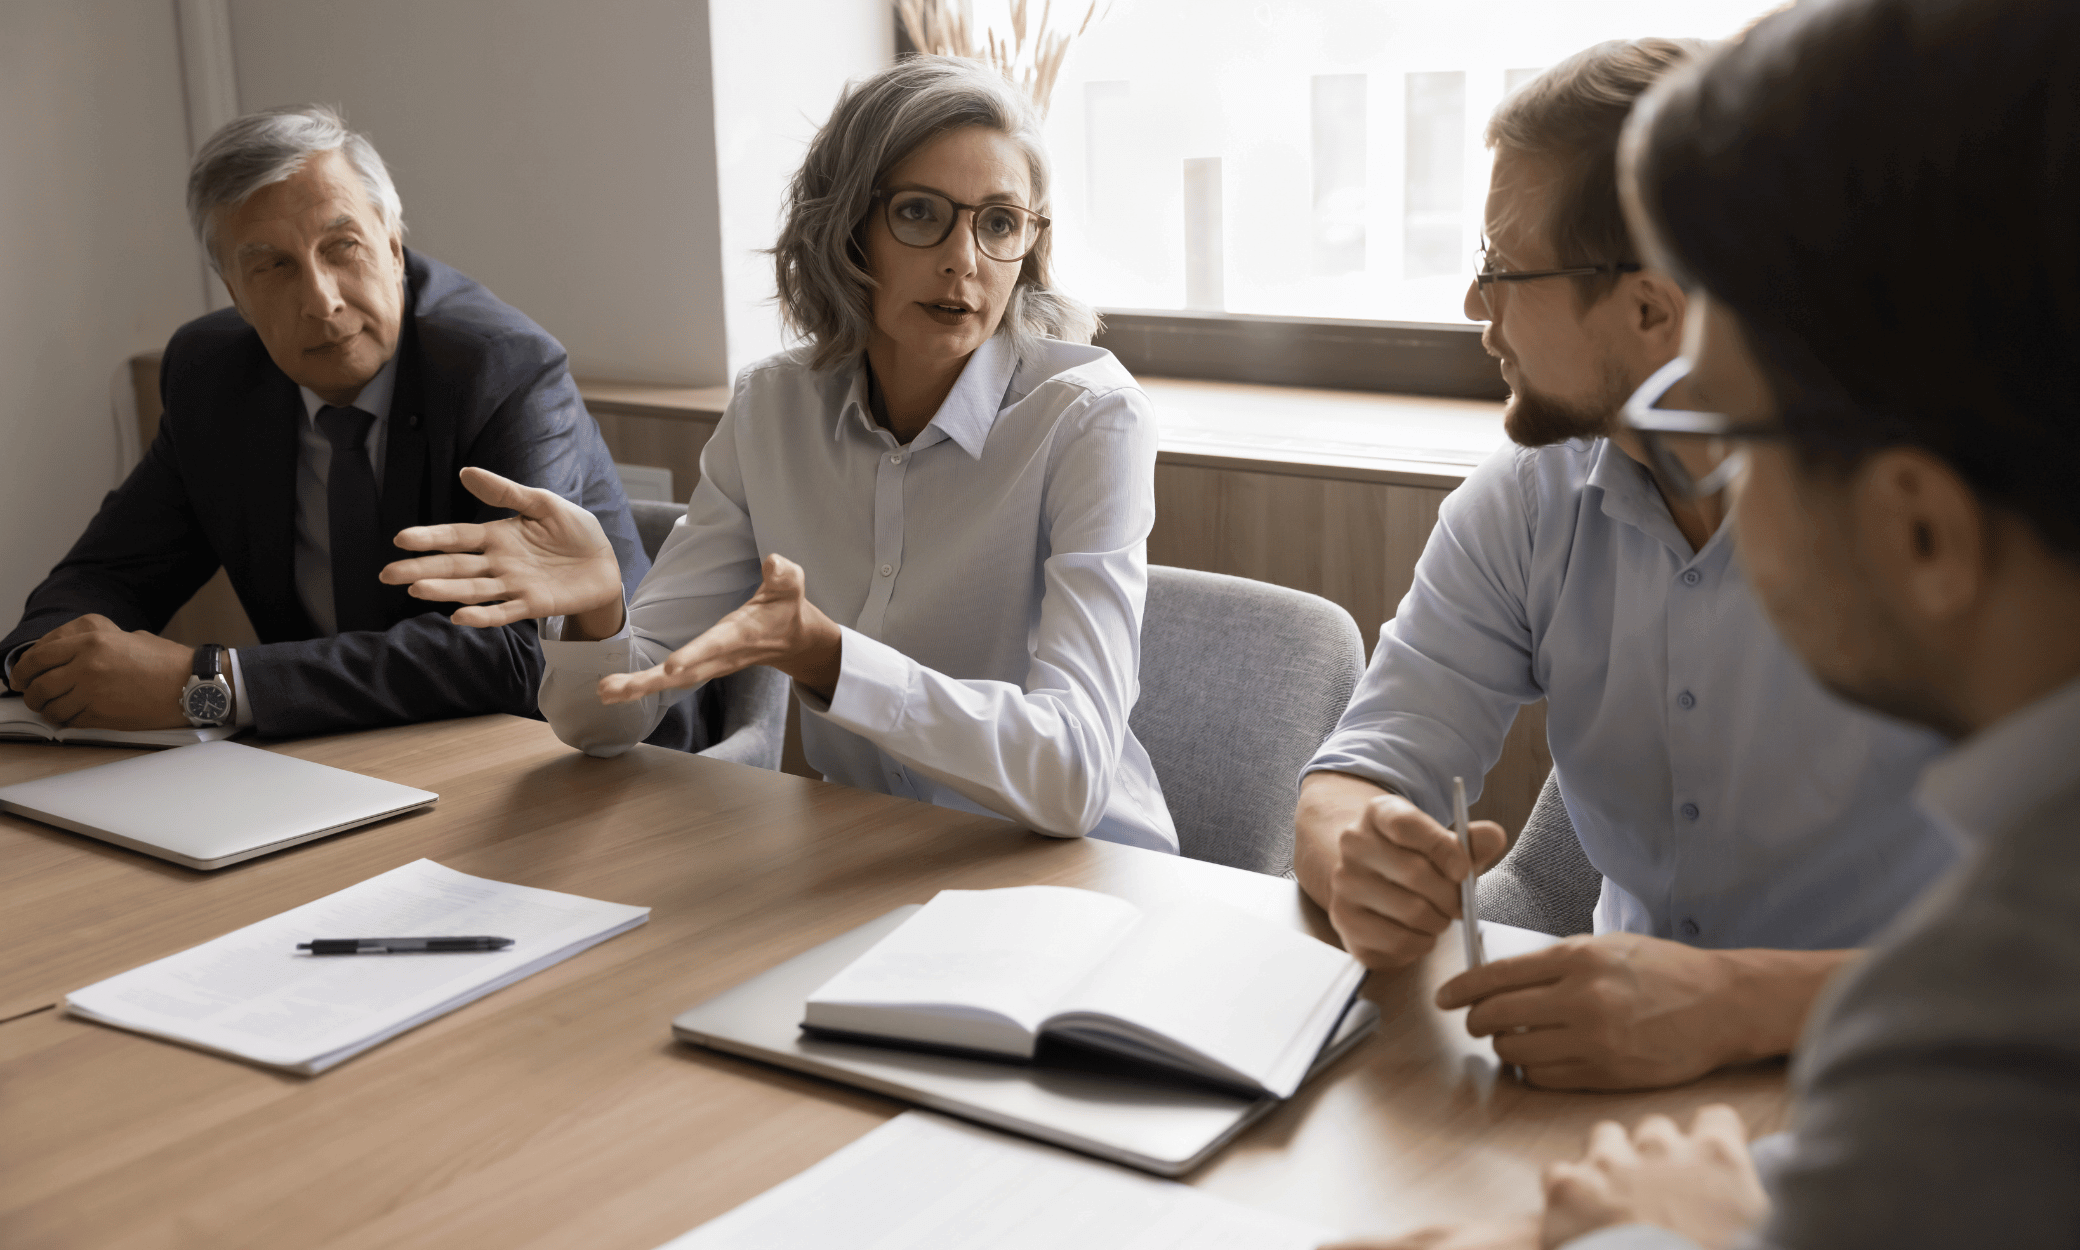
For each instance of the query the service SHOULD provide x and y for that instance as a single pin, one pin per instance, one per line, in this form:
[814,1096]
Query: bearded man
[1751,828]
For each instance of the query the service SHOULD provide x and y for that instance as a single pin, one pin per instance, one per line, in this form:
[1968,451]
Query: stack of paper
[923,1183]
[252,995]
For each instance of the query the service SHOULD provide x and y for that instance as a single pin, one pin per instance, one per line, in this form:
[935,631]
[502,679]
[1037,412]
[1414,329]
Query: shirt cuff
[242,708]
[7,667]
[873,688]
[602,655]
[1631,1237]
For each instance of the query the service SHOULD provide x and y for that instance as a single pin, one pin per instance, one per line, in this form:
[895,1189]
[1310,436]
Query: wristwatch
[206,699]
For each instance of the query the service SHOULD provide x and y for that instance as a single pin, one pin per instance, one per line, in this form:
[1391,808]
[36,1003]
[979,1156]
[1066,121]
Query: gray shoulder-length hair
[819,261]
[261,149]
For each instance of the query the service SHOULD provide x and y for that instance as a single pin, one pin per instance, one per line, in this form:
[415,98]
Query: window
[1310,159]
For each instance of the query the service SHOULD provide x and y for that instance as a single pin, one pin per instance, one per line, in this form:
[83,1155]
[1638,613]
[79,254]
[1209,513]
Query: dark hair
[1887,193]
[1573,114]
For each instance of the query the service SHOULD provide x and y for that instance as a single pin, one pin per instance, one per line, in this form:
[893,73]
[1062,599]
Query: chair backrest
[1545,882]
[653,521]
[749,715]
[1240,683]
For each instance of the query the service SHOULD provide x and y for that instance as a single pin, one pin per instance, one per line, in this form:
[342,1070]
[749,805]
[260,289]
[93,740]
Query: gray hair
[261,149]
[825,291]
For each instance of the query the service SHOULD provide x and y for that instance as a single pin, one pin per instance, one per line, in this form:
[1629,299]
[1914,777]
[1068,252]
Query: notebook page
[252,994]
[1010,953]
[1254,996]
[17,721]
[921,1182]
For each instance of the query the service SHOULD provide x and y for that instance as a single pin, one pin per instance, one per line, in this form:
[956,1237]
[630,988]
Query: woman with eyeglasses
[932,514]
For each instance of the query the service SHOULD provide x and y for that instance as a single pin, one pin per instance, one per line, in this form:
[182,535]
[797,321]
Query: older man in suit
[328,409]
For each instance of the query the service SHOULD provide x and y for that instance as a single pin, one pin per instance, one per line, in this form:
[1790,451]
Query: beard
[1535,419]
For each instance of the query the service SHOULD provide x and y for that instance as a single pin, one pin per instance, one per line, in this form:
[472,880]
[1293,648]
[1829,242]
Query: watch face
[206,702]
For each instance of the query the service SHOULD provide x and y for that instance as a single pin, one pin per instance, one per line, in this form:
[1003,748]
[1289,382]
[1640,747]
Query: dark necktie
[358,549]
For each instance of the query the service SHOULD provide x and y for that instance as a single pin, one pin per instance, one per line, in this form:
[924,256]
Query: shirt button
[895,457]
[887,570]
[1689,811]
[1691,577]
[1689,928]
[1686,700]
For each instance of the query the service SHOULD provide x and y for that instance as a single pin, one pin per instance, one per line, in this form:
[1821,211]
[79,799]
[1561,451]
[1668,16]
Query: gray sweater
[1938,1084]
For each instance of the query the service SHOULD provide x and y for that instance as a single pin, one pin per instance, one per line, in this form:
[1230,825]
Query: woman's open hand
[779,627]
[552,559]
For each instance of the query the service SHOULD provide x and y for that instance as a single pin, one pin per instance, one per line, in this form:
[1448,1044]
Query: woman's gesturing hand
[552,559]
[779,627]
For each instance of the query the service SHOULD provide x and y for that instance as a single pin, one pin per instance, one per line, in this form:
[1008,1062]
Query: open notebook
[252,995]
[1199,987]
[17,721]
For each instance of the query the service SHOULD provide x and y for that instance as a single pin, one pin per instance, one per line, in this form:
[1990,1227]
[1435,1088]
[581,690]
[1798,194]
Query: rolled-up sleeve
[1045,752]
[1455,663]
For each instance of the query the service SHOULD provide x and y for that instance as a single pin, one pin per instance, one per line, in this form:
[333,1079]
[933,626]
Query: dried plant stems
[947,28]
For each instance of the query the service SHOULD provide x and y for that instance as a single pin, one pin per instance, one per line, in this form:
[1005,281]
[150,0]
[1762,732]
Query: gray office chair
[753,702]
[1545,882]
[1240,683]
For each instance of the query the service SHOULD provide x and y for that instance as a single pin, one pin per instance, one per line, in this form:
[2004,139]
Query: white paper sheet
[921,1182]
[253,995]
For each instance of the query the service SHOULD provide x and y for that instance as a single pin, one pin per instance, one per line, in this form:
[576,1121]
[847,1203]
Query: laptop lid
[211,804]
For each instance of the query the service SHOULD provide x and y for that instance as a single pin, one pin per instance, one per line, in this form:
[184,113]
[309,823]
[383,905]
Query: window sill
[1366,436]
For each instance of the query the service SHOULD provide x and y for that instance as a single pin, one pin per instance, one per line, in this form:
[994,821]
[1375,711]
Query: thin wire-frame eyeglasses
[925,218]
[1695,454]
[1486,275]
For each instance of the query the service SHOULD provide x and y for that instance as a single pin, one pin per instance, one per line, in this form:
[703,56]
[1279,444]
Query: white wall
[566,154]
[767,107]
[96,263]
[561,153]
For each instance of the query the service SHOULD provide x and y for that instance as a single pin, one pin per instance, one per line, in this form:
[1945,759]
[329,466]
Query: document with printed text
[252,995]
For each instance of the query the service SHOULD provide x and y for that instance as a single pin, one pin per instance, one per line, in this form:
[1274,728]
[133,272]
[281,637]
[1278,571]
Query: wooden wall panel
[664,442]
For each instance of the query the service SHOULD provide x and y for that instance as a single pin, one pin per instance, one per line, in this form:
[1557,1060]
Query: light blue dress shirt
[1726,798]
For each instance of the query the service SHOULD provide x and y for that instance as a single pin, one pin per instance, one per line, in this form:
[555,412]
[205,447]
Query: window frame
[1436,358]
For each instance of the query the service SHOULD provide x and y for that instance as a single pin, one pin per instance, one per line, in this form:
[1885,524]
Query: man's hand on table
[1626,1011]
[1701,1184]
[1387,874]
[91,674]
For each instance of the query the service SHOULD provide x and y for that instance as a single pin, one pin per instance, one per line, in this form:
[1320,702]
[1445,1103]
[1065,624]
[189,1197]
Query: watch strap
[208,661]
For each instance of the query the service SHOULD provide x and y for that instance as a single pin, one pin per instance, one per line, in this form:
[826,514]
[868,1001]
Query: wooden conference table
[560,1112]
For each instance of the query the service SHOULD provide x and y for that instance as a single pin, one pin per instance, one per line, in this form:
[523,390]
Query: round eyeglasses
[1486,275]
[925,218]
[1695,454]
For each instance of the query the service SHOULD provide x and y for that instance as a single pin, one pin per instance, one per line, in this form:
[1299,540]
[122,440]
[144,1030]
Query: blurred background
[613,167]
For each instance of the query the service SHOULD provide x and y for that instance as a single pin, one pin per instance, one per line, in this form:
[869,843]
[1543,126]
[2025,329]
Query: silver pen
[1468,906]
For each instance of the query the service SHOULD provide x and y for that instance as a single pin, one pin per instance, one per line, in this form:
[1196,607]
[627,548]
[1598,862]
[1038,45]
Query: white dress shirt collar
[969,410]
[2001,774]
[374,398]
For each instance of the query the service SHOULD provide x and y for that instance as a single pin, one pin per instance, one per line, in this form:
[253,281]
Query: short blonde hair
[819,262]
[1573,114]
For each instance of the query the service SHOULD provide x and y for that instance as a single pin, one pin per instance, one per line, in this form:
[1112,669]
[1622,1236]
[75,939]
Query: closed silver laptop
[212,804]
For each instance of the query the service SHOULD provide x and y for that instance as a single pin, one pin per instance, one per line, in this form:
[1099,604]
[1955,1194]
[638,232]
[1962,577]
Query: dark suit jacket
[477,384]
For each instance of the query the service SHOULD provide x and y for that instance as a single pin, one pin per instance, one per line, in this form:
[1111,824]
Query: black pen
[401,945]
